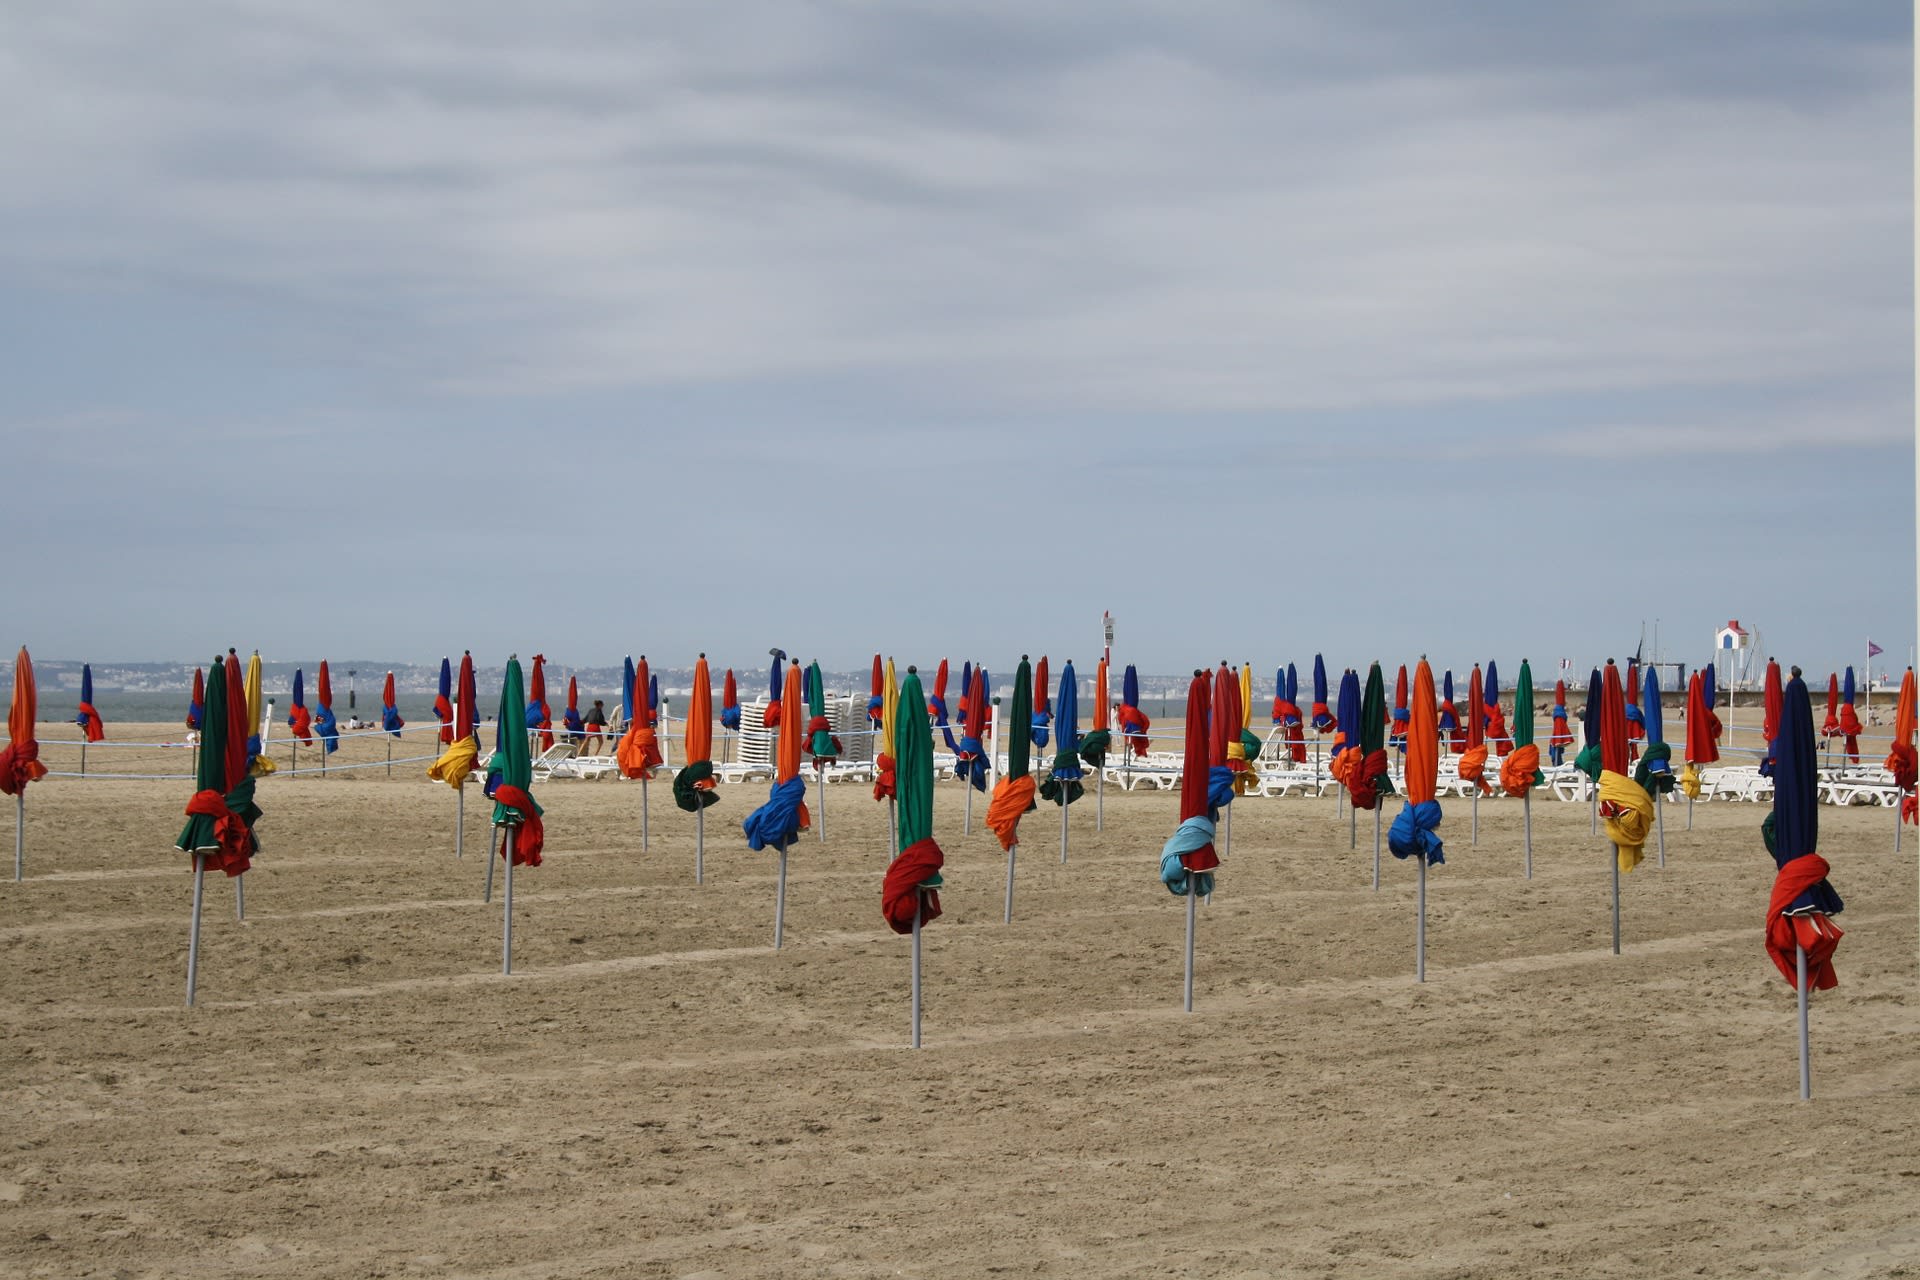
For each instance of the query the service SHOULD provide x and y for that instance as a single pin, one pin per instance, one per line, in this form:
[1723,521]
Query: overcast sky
[345,326]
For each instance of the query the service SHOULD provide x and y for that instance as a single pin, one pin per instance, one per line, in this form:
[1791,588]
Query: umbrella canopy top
[1476,714]
[626,690]
[1708,690]
[1423,738]
[1101,713]
[1223,723]
[1019,722]
[466,723]
[1796,810]
[20,758]
[1067,719]
[787,744]
[913,764]
[1590,714]
[1770,708]
[1613,721]
[1347,731]
[1523,706]
[1193,777]
[700,714]
[1650,709]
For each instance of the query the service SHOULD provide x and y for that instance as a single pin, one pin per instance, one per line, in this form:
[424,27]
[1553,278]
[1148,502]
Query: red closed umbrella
[1187,860]
[20,760]
[1770,714]
[1472,764]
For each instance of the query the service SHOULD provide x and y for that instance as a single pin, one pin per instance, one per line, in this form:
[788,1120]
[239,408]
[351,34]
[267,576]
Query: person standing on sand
[596,727]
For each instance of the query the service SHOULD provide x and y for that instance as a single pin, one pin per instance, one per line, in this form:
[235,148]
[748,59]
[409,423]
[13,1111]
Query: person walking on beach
[596,727]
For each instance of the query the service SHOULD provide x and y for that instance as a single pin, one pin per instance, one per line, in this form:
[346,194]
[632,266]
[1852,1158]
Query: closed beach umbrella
[1497,737]
[576,728]
[299,718]
[1244,749]
[1013,794]
[1416,831]
[389,711]
[538,715]
[1042,709]
[443,703]
[20,760]
[693,785]
[937,700]
[1520,772]
[1636,726]
[197,701]
[1099,737]
[638,752]
[653,699]
[1801,936]
[1398,736]
[1625,807]
[462,752]
[1560,732]
[1770,714]
[1902,760]
[1449,717]
[626,691]
[776,677]
[1831,729]
[779,822]
[1849,721]
[1133,721]
[256,705]
[821,744]
[1473,761]
[910,891]
[1346,735]
[1286,714]
[1655,770]
[876,699]
[218,833]
[970,757]
[1589,761]
[85,716]
[1187,860]
[729,703]
[1368,781]
[1701,747]
[1323,720]
[324,722]
[515,811]
[1062,785]
[885,775]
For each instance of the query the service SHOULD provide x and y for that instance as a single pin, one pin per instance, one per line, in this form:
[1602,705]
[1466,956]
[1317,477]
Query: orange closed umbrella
[779,822]
[693,788]
[1902,761]
[20,760]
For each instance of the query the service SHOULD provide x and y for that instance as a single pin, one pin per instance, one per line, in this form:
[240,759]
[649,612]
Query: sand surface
[656,1092]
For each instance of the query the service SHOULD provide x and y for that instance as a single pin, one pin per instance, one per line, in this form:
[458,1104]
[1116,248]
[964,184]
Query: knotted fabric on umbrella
[1324,721]
[443,702]
[457,761]
[1902,761]
[1042,711]
[885,777]
[1368,779]
[970,761]
[1654,773]
[1397,738]
[1802,901]
[221,811]
[1098,740]
[693,785]
[20,760]
[911,887]
[1496,729]
[510,774]
[197,700]
[784,816]
[822,745]
[1190,852]
[1850,726]
[389,711]
[1416,831]
[730,703]
[1473,761]
[1062,784]
[85,716]
[324,722]
[1520,771]
[1625,808]
[1013,794]
[1133,721]
[638,751]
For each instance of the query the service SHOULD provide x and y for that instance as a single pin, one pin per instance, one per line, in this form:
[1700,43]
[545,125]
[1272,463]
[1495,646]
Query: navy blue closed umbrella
[1322,720]
[1063,785]
[1801,936]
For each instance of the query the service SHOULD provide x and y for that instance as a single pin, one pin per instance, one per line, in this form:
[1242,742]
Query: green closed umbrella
[1373,753]
[515,811]
[1526,756]
[820,741]
[1013,794]
[219,831]
[909,896]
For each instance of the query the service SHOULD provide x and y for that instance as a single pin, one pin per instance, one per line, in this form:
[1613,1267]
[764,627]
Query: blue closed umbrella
[443,701]
[1350,709]
[626,692]
[1795,821]
[1449,719]
[1063,786]
[1322,720]
[653,699]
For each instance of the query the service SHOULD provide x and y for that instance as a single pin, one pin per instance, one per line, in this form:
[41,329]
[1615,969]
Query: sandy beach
[656,1092]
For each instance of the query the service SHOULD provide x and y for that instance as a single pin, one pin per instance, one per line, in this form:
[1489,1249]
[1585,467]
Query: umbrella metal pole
[780,902]
[1376,845]
[193,932]
[893,838]
[389,757]
[645,836]
[823,802]
[1192,899]
[916,968]
[459,819]
[1593,816]
[1473,807]
[1896,843]
[1616,899]
[20,836]
[966,816]
[240,896]
[1063,824]
[1100,798]
[1012,849]
[83,758]
[492,849]
[1420,927]
[1660,825]
[1226,833]
[506,937]
[1806,1060]
[1353,827]
[1526,827]
[700,845]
